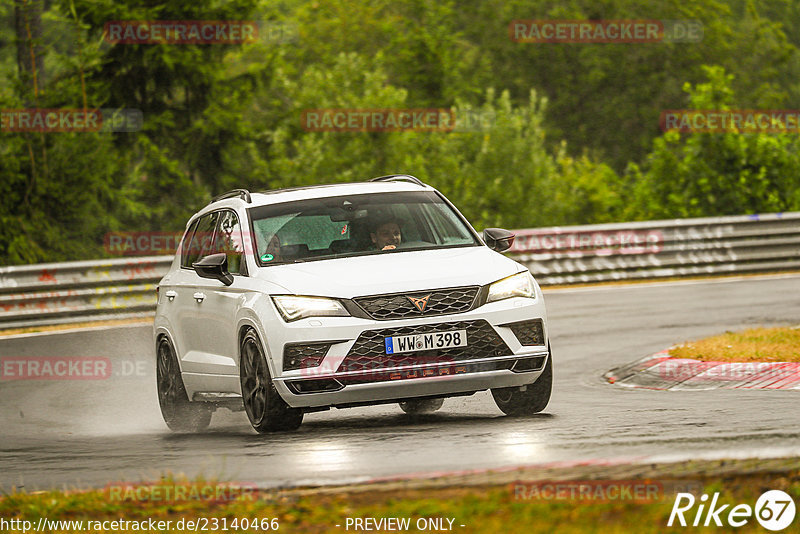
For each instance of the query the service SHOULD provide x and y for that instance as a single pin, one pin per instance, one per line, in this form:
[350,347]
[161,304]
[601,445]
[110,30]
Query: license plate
[429,341]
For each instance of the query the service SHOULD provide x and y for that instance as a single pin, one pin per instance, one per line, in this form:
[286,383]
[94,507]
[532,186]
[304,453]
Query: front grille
[399,306]
[302,355]
[369,350]
[528,332]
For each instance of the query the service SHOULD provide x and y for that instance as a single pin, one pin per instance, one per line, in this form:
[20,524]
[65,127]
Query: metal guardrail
[55,293]
[661,249]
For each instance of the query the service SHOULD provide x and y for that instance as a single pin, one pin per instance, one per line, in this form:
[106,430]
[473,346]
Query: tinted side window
[185,244]
[203,239]
[228,239]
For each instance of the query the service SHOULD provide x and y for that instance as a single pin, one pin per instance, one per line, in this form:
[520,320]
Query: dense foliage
[573,138]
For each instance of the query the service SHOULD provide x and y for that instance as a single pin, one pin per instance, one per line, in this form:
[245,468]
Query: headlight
[293,308]
[517,285]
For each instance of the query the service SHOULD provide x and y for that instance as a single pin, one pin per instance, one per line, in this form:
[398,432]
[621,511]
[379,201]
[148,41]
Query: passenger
[385,233]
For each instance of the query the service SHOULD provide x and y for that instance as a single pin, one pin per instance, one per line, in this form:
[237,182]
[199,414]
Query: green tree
[706,174]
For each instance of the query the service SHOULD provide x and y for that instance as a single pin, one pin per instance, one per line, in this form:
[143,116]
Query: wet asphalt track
[79,434]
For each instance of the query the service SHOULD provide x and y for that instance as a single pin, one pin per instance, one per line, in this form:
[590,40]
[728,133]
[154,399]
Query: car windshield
[355,225]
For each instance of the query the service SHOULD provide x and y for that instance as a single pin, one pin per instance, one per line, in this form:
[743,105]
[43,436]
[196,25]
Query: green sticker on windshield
[267,257]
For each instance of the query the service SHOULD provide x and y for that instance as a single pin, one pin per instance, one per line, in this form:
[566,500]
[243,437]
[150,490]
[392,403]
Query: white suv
[297,300]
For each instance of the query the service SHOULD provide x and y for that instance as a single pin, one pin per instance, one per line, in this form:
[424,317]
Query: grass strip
[781,344]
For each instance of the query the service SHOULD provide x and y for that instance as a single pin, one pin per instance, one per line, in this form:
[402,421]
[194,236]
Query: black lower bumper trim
[314,385]
[526,365]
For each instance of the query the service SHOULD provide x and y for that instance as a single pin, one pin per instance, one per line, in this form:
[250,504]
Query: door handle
[171,295]
[199,297]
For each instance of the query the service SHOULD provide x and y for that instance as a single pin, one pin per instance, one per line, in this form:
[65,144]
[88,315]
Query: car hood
[392,272]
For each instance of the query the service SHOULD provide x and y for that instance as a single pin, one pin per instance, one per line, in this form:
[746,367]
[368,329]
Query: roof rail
[244,194]
[398,178]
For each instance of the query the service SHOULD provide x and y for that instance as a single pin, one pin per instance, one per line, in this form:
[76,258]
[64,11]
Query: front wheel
[265,408]
[534,399]
[179,413]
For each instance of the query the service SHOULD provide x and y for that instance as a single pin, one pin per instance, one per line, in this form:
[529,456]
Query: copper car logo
[420,303]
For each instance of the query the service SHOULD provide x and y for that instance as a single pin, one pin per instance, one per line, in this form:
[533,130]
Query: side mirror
[215,267]
[498,239]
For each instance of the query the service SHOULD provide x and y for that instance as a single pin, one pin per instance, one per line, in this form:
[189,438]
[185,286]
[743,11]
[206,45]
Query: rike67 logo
[774,510]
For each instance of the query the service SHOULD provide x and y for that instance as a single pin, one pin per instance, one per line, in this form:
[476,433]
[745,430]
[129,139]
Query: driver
[385,234]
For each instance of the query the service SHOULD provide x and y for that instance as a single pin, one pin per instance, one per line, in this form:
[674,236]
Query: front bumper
[416,387]
[333,383]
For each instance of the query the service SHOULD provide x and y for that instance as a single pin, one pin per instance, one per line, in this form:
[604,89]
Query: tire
[265,408]
[421,406]
[178,412]
[534,399]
